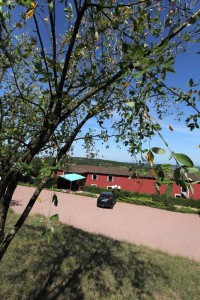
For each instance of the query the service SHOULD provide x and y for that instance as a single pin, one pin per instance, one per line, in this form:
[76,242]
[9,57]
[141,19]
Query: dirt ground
[174,233]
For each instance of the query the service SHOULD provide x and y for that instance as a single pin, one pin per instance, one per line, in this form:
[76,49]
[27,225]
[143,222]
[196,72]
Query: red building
[120,178]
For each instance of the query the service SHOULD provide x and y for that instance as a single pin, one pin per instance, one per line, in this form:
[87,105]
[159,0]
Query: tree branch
[118,5]
[52,22]
[174,33]
[43,53]
[80,15]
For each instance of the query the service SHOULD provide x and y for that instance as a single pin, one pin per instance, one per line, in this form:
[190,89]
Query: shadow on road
[15,203]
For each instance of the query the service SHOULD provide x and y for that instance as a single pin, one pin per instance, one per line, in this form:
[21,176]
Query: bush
[120,193]
[160,201]
[51,183]
[186,202]
[188,209]
[138,201]
[87,194]
[93,189]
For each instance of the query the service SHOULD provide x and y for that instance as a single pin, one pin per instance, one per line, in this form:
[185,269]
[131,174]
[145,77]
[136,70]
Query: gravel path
[174,233]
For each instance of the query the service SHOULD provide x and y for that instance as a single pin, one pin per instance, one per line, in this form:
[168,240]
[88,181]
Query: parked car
[106,199]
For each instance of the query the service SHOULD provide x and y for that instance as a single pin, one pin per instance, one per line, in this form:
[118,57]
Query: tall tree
[64,63]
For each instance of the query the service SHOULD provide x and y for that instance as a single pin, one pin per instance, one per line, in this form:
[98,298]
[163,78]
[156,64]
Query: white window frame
[94,175]
[94,184]
[109,187]
[108,178]
[177,195]
[183,192]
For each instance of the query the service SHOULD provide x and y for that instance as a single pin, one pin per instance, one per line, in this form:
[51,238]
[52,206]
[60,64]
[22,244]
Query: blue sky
[181,140]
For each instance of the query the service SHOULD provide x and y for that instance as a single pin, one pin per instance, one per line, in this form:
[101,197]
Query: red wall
[60,172]
[137,185]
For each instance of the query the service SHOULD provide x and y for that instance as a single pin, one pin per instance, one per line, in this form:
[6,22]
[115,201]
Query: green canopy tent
[71,178]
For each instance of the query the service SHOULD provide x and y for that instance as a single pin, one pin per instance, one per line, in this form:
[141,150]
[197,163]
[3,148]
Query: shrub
[88,194]
[188,209]
[120,193]
[93,189]
[51,183]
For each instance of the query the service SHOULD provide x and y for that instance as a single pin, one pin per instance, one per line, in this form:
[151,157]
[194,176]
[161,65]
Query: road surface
[174,233]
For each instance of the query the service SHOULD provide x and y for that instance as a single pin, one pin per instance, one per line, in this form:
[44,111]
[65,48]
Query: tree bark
[9,237]
[5,203]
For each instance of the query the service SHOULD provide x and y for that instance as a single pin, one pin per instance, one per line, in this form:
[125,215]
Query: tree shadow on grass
[78,265]
[100,267]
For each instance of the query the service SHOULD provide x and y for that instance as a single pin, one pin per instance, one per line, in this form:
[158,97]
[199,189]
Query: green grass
[78,265]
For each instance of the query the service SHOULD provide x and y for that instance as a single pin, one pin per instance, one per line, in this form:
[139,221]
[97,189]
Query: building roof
[72,177]
[83,169]
[117,171]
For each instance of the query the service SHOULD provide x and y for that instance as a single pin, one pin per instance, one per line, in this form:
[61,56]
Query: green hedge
[93,189]
[155,198]
[185,202]
[167,205]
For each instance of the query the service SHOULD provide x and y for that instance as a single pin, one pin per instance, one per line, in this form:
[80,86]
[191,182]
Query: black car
[106,199]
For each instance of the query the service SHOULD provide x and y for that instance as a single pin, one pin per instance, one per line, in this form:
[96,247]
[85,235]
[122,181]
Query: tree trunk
[5,203]
[6,240]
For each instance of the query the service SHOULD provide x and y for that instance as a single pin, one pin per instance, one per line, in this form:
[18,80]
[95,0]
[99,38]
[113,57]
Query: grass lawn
[78,265]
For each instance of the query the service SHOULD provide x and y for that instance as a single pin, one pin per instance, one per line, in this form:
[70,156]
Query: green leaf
[193,170]
[150,157]
[138,52]
[2,4]
[168,191]
[195,182]
[38,221]
[156,185]
[55,199]
[178,173]
[167,63]
[3,23]
[24,2]
[157,150]
[166,167]
[171,70]
[182,184]
[43,79]
[54,218]
[157,127]
[51,6]
[191,189]
[161,48]
[191,82]
[184,159]
[49,235]
[131,104]
[138,74]
[160,174]
[51,61]
[164,181]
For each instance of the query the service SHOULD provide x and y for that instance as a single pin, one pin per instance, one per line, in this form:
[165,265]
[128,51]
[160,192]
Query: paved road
[174,233]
